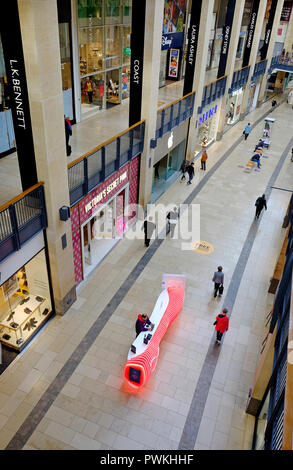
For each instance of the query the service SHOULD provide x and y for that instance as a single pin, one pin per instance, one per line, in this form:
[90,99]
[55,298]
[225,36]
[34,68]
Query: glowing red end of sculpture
[138,369]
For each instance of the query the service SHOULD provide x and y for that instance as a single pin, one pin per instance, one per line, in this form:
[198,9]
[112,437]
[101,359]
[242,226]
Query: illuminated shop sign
[103,194]
[204,117]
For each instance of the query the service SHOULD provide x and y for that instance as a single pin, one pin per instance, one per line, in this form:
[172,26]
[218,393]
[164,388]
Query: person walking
[204,157]
[156,167]
[260,203]
[148,228]
[256,158]
[292,154]
[172,218]
[247,131]
[190,171]
[222,324]
[68,133]
[183,169]
[218,279]
[274,104]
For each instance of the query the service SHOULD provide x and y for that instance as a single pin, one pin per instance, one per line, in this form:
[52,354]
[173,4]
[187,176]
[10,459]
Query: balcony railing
[21,219]
[240,78]
[259,69]
[174,113]
[213,91]
[91,169]
[284,62]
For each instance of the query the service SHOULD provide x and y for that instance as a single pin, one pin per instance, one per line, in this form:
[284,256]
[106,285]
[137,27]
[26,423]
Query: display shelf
[17,327]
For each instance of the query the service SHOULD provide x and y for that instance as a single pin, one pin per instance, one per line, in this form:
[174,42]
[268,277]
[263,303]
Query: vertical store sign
[227,29]
[192,46]
[16,79]
[250,33]
[268,32]
[136,61]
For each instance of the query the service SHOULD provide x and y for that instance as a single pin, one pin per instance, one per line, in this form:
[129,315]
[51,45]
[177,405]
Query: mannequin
[89,89]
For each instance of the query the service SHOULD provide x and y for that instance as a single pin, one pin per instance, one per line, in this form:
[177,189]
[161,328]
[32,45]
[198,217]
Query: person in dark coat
[148,228]
[183,169]
[190,171]
[218,279]
[260,203]
[172,218]
[222,324]
[142,324]
[68,133]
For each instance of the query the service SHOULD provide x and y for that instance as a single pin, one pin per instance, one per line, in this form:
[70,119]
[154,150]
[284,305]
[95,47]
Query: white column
[270,51]
[200,70]
[43,71]
[151,71]
[253,54]
[237,20]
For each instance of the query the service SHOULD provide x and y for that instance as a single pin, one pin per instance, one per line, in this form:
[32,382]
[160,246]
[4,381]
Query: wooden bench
[249,166]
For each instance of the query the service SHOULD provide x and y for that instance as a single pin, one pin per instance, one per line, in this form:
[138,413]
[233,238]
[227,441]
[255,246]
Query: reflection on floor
[99,249]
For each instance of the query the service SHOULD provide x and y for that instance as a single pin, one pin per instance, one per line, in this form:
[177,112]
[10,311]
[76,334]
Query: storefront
[104,30]
[207,124]
[25,296]
[233,108]
[169,155]
[100,220]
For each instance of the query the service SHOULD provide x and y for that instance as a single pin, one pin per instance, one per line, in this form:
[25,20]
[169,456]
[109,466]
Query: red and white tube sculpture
[139,367]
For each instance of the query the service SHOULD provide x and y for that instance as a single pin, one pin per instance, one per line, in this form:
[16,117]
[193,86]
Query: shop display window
[113,86]
[127,5]
[113,10]
[112,47]
[104,45]
[24,302]
[93,91]
[126,32]
[261,424]
[65,54]
[125,88]
[90,13]
[91,50]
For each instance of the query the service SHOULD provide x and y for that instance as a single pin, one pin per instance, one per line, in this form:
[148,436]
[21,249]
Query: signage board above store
[205,116]
[172,40]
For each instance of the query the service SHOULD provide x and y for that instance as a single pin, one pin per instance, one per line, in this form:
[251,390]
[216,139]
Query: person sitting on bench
[256,158]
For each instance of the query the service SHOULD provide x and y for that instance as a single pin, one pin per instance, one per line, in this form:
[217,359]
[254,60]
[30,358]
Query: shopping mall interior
[146,225]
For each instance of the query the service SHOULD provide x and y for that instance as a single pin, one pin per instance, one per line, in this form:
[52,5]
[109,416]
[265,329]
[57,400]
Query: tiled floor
[66,391]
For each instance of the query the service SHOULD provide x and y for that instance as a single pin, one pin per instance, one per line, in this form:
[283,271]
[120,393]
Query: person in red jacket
[222,324]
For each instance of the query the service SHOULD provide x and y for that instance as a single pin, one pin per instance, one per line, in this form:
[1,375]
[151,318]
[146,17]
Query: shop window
[90,13]
[127,6]
[126,32]
[113,87]
[25,303]
[65,54]
[125,82]
[91,50]
[113,10]
[93,92]
[261,424]
[113,47]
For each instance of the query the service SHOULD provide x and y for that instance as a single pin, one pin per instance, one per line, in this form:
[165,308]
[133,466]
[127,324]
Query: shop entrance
[101,233]
[166,170]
